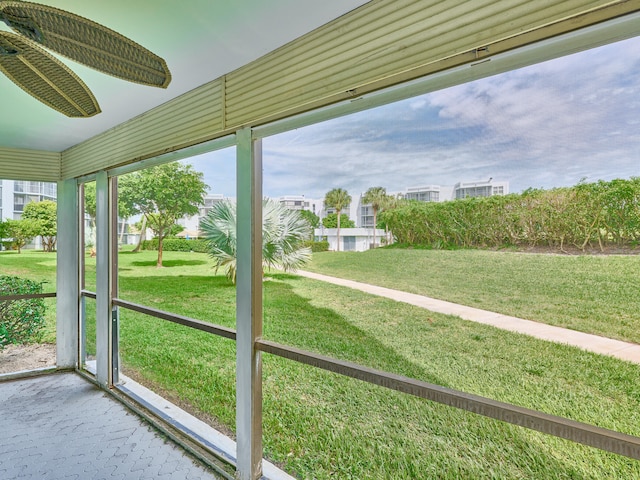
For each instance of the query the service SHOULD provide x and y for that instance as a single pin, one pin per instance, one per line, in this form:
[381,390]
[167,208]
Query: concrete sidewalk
[592,343]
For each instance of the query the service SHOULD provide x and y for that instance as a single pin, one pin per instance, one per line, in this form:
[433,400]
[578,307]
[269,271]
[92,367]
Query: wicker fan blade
[44,77]
[86,42]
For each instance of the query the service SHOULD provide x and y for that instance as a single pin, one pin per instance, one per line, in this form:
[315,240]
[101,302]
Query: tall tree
[3,229]
[311,217]
[375,196]
[46,214]
[165,193]
[21,232]
[389,203]
[126,205]
[338,198]
[284,232]
[331,221]
[90,209]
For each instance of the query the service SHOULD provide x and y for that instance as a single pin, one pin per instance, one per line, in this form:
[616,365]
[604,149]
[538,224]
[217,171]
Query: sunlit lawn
[593,294]
[320,425]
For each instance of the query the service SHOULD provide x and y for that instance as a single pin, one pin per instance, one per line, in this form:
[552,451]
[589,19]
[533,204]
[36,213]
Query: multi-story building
[299,202]
[15,194]
[426,193]
[437,193]
[486,188]
[443,193]
[209,201]
[191,224]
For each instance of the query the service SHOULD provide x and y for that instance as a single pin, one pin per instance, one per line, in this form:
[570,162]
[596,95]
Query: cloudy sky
[543,126]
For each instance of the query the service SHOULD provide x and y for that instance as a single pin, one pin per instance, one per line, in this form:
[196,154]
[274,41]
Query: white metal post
[67,270]
[103,280]
[249,306]
[114,327]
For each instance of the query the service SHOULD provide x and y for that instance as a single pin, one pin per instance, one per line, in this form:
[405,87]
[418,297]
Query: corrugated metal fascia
[183,121]
[295,74]
[415,31]
[23,164]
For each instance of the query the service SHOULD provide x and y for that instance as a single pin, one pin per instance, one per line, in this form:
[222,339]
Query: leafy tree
[376,197]
[390,202]
[331,221]
[284,232]
[126,201]
[46,214]
[21,231]
[338,198]
[126,205]
[90,208]
[165,193]
[312,218]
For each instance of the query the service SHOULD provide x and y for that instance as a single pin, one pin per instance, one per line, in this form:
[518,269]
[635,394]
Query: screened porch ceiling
[200,40]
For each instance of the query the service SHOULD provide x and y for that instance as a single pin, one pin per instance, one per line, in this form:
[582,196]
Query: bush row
[319,246]
[21,321]
[196,245]
[586,215]
[177,245]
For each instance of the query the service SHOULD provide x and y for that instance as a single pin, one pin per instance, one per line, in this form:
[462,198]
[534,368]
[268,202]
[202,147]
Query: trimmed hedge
[596,214]
[202,246]
[21,321]
[321,246]
[177,245]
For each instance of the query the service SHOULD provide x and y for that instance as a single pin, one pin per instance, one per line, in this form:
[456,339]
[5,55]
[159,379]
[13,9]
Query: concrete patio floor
[62,426]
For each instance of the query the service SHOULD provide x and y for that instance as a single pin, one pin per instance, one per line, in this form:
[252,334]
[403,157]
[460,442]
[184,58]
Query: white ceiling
[199,39]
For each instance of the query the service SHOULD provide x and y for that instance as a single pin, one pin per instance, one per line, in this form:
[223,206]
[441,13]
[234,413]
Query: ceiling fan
[46,78]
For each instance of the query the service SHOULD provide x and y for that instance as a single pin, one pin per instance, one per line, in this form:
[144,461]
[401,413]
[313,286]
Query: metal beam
[67,275]
[249,306]
[103,280]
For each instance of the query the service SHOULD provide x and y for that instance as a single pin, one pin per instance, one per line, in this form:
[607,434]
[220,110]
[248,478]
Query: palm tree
[389,203]
[338,198]
[376,197]
[284,232]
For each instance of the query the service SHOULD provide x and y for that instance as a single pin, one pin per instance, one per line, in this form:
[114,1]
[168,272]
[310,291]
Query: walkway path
[593,343]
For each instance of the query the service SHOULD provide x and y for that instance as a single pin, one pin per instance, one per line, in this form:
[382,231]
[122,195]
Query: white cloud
[542,126]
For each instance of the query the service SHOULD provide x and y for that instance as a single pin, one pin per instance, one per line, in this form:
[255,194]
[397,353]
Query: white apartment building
[426,193]
[191,224]
[437,193]
[486,188]
[300,202]
[15,194]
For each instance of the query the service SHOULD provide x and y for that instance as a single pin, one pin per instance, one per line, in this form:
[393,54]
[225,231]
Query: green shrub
[177,245]
[598,214]
[321,246]
[21,321]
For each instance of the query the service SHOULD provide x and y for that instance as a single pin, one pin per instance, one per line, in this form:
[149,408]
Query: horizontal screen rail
[26,296]
[182,320]
[604,439]
[87,293]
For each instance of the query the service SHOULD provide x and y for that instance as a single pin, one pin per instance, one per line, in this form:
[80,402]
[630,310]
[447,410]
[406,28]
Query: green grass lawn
[593,294]
[320,425]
